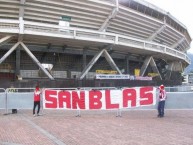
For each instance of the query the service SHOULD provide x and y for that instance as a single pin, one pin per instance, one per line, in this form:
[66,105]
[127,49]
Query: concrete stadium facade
[79,37]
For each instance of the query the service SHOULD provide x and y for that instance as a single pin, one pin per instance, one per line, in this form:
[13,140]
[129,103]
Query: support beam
[111,16]
[127,64]
[178,43]
[21,21]
[111,62]
[95,58]
[91,63]
[56,59]
[154,67]
[156,33]
[9,52]
[36,60]
[144,66]
[149,60]
[18,61]
[5,39]
[84,57]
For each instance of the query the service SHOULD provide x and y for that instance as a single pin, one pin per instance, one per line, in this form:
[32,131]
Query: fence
[23,98]
[2,98]
[180,89]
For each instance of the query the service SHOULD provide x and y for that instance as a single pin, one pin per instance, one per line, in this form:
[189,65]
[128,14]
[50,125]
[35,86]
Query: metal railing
[20,98]
[180,89]
[90,35]
[177,98]
[84,34]
[2,98]
[9,26]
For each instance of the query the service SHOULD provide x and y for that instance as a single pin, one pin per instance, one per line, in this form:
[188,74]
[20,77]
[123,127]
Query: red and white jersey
[37,95]
[162,95]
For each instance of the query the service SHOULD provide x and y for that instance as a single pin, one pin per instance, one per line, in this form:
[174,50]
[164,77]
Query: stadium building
[87,43]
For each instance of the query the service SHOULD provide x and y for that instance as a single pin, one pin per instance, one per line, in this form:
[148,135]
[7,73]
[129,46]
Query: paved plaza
[59,127]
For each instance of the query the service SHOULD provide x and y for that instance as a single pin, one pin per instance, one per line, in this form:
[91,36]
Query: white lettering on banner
[100,76]
[99,99]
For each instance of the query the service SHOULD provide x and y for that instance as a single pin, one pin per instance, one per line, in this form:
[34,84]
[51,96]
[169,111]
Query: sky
[182,10]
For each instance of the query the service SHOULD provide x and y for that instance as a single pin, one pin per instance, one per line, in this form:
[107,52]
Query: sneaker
[34,115]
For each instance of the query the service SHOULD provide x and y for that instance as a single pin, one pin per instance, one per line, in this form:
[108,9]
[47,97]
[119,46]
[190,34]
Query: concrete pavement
[59,127]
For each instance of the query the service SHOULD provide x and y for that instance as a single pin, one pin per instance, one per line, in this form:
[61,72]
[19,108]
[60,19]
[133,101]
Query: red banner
[99,99]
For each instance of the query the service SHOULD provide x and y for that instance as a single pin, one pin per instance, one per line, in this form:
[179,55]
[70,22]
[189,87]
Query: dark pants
[161,106]
[35,104]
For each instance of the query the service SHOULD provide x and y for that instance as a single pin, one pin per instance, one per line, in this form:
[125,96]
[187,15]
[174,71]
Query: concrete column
[84,61]
[84,58]
[69,74]
[127,64]
[18,61]
[21,15]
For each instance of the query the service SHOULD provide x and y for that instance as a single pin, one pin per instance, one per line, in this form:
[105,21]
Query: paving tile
[135,127]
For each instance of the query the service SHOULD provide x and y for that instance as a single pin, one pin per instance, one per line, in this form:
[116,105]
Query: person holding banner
[162,98]
[37,93]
